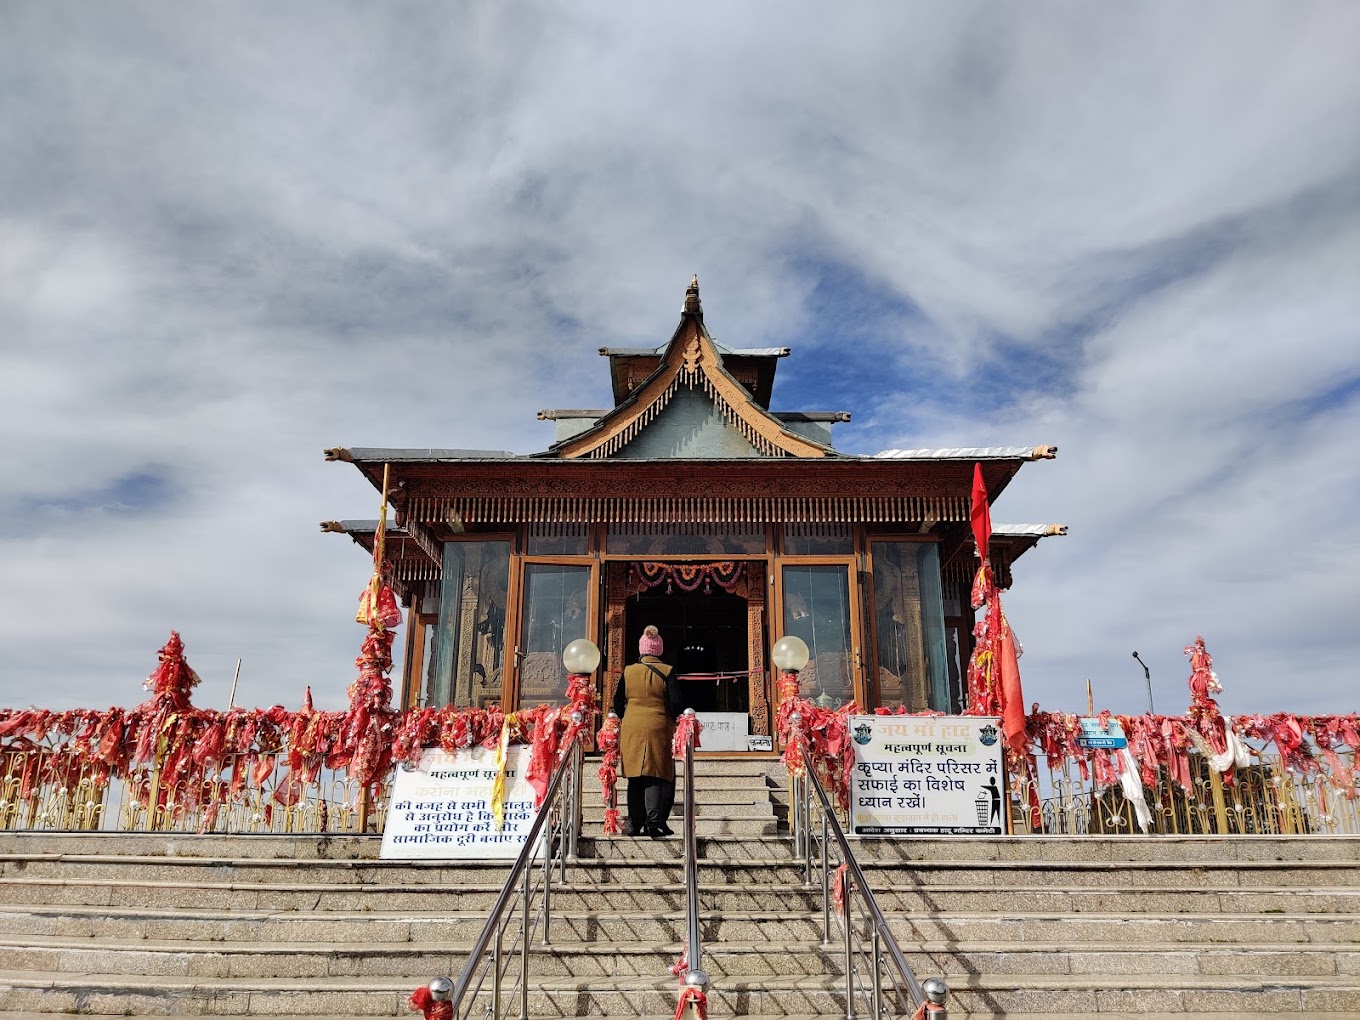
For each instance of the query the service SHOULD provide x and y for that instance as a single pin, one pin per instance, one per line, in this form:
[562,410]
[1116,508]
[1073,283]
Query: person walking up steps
[648,703]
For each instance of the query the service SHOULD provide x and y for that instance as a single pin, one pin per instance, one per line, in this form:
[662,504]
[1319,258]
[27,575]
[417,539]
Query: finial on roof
[692,305]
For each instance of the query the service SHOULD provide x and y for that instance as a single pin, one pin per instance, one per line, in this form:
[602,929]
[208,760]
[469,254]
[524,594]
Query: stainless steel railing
[557,825]
[808,795]
[694,976]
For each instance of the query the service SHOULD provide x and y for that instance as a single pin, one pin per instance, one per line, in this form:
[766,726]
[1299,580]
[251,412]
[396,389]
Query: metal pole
[849,950]
[877,972]
[826,891]
[1147,675]
[692,935]
[235,677]
[496,973]
[528,932]
[936,991]
[807,841]
[547,887]
[574,816]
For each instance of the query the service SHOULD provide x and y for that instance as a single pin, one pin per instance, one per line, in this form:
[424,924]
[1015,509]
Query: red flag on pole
[981,515]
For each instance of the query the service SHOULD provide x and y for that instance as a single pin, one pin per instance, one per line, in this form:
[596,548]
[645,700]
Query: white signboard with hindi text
[723,731]
[442,809]
[927,776]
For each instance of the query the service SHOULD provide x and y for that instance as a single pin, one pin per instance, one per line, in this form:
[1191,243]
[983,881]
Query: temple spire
[692,305]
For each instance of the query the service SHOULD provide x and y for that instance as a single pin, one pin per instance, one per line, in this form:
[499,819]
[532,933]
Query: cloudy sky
[233,235]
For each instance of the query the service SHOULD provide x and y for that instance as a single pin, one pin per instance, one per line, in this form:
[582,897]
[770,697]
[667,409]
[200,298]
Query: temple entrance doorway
[711,616]
[705,638]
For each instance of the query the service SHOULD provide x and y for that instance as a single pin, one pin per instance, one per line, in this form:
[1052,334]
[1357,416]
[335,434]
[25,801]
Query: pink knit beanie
[650,642]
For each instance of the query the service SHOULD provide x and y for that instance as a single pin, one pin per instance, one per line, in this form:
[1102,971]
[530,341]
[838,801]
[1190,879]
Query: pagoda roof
[553,414]
[973,453]
[691,361]
[733,352]
[1018,539]
[1034,531]
[411,561]
[385,454]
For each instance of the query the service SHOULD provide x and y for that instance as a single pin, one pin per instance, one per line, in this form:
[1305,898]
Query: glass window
[556,600]
[469,653]
[818,540]
[817,609]
[558,540]
[913,665]
[685,540]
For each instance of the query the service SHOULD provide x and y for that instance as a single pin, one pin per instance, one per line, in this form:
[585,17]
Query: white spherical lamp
[581,656]
[790,654]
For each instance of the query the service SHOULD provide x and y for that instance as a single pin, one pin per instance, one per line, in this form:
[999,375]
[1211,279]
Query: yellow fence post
[1220,805]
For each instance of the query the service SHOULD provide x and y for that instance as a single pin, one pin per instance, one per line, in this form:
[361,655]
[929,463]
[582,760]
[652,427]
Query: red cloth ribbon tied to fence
[839,885]
[685,727]
[608,741]
[423,1001]
[172,680]
[581,694]
[681,965]
[1204,712]
[690,994]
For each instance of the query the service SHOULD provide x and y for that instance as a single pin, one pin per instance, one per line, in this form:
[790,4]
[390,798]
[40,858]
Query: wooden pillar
[758,682]
[616,596]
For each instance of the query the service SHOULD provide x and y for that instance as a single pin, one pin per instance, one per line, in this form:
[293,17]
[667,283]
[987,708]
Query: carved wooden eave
[411,558]
[690,360]
[431,495]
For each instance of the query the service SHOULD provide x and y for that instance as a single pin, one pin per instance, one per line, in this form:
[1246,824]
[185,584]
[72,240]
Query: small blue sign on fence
[1109,737]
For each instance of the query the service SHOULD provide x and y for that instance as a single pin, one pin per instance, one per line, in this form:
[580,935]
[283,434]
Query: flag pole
[232,700]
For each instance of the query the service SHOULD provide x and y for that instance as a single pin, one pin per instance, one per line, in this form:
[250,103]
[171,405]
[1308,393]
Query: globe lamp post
[581,657]
[790,654]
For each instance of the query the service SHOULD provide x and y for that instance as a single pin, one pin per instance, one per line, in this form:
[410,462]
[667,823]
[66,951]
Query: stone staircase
[736,797]
[213,925]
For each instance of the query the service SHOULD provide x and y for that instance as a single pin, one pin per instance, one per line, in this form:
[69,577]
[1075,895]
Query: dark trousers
[649,802]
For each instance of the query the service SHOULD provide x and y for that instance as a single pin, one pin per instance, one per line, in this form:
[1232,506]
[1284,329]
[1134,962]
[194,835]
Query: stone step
[655,888]
[1175,851]
[642,853]
[705,826]
[1284,929]
[702,798]
[702,812]
[1338,853]
[185,958]
[989,995]
[707,768]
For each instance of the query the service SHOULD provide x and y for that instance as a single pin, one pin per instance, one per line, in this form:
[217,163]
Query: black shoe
[666,830]
[655,832]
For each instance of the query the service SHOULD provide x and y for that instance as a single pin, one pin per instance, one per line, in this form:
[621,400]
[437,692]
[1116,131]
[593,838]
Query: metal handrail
[695,977]
[520,880]
[934,991]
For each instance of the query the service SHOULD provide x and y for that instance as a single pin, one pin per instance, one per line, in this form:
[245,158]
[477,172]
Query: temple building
[690,505]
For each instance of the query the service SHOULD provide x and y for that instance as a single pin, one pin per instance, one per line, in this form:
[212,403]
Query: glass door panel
[913,653]
[817,608]
[555,613]
[469,640]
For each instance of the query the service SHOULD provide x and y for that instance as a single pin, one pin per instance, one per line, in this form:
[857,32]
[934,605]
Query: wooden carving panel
[616,596]
[758,695]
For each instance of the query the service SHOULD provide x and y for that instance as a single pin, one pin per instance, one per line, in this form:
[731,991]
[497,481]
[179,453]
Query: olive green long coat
[646,732]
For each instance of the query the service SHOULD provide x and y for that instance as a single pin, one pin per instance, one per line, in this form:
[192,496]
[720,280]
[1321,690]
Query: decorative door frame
[752,590]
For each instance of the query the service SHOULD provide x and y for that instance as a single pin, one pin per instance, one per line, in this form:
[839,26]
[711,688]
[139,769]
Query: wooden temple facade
[692,506]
